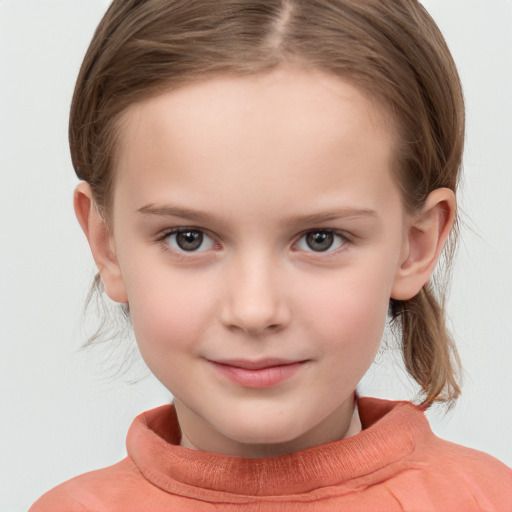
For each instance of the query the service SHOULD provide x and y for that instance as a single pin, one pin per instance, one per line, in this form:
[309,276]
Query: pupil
[189,240]
[320,240]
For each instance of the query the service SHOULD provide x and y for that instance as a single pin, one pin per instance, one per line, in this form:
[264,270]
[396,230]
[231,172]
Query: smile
[257,374]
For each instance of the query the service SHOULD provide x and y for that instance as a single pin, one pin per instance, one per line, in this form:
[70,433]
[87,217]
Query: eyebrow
[308,219]
[176,211]
[329,215]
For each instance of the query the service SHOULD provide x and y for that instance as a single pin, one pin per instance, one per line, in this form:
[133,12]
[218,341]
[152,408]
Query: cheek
[168,310]
[349,311]
[348,330]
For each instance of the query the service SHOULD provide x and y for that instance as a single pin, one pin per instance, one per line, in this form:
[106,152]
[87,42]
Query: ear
[425,236]
[100,241]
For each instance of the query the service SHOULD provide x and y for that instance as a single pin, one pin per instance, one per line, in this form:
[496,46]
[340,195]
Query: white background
[60,415]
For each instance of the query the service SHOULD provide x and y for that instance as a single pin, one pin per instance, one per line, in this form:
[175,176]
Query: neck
[198,435]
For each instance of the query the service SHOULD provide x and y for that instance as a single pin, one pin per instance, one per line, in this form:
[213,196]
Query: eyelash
[342,238]
[180,251]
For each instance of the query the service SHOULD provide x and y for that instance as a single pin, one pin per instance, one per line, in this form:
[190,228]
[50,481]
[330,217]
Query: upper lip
[259,364]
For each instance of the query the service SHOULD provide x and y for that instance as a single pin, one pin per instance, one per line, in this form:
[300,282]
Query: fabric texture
[395,463]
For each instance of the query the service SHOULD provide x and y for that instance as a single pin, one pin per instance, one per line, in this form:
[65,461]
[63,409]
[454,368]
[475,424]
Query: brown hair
[390,49]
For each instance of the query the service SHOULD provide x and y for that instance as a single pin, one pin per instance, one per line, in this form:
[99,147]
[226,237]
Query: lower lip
[262,378]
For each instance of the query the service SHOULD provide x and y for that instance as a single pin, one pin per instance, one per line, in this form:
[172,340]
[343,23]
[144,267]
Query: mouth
[262,374]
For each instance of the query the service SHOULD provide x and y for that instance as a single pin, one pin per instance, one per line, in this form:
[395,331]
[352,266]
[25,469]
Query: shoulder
[91,491]
[409,421]
[475,465]
[432,470]
[479,478]
[456,470]
[121,485]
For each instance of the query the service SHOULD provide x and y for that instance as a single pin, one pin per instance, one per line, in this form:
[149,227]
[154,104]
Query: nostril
[253,329]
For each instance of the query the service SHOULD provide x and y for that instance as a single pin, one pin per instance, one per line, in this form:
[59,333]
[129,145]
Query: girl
[264,183]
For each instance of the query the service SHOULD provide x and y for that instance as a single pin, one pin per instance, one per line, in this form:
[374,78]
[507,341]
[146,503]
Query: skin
[256,164]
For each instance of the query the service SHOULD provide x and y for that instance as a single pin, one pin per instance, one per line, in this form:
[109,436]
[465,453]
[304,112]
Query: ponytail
[428,350]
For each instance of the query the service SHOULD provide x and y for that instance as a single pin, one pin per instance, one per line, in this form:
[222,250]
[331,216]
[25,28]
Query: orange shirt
[395,463]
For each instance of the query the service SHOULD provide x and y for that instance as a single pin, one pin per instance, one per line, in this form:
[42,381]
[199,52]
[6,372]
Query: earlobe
[426,235]
[100,241]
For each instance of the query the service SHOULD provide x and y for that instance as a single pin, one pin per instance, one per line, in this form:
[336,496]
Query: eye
[321,240]
[188,240]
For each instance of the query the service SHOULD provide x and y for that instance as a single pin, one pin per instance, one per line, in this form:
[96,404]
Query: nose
[255,302]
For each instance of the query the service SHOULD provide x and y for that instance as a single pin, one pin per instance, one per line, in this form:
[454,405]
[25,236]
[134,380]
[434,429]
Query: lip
[262,374]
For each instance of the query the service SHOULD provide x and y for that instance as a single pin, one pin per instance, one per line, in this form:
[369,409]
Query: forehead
[291,128]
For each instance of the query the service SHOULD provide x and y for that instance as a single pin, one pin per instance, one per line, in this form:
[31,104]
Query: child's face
[291,234]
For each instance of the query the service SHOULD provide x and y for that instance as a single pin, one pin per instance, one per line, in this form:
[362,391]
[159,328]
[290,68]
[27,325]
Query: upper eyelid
[339,232]
[180,229]
[174,229]
[160,237]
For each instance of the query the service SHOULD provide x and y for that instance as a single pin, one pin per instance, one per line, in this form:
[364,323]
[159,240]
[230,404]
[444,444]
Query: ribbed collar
[390,432]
